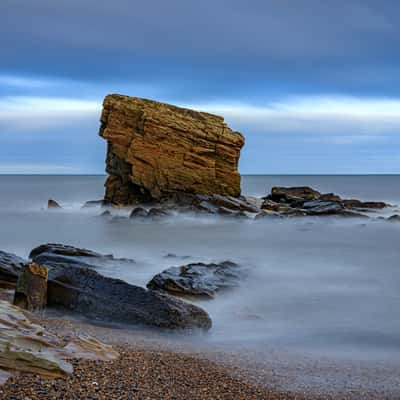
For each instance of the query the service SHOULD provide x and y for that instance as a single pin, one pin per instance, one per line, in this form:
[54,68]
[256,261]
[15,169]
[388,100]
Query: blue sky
[313,85]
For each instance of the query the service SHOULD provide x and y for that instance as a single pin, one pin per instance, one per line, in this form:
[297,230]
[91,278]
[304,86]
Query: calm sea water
[319,287]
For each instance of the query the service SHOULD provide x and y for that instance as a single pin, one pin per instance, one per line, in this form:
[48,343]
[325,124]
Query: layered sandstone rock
[155,149]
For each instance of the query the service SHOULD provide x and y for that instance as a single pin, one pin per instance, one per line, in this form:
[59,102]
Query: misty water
[315,288]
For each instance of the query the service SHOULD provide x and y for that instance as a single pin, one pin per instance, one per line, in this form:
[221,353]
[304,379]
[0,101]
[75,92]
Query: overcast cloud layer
[314,85]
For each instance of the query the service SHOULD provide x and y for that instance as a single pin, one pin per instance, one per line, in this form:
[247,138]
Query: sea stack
[157,149]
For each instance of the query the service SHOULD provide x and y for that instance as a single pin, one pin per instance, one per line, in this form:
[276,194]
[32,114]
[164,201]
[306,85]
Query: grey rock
[85,291]
[198,279]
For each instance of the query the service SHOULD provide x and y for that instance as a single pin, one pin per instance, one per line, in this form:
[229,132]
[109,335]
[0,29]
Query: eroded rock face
[155,149]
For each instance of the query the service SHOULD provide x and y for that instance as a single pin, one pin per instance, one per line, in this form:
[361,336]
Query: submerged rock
[85,291]
[138,212]
[95,203]
[303,200]
[155,149]
[394,218]
[198,279]
[52,204]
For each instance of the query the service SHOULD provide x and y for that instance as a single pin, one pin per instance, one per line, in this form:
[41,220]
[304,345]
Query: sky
[313,85]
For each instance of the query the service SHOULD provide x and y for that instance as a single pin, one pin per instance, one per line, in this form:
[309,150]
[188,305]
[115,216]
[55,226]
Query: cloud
[33,114]
[337,119]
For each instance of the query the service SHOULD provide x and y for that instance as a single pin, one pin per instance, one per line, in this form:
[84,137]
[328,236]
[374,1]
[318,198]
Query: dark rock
[65,250]
[197,279]
[290,194]
[105,213]
[31,291]
[270,205]
[228,202]
[60,255]
[95,296]
[321,207]
[157,213]
[10,266]
[330,197]
[138,212]
[394,218]
[357,204]
[52,204]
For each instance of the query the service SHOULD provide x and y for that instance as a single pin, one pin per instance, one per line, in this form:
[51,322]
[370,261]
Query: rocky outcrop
[198,279]
[27,347]
[303,200]
[74,285]
[155,149]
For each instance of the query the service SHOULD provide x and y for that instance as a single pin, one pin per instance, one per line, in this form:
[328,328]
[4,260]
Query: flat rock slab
[27,347]
[198,279]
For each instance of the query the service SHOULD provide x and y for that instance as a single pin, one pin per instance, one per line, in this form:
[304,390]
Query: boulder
[31,291]
[65,250]
[85,291]
[52,204]
[27,347]
[197,279]
[155,149]
[394,218]
[290,194]
[138,212]
[10,265]
[158,213]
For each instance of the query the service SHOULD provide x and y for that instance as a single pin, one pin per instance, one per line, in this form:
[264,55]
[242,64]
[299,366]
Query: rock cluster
[155,149]
[303,200]
[74,285]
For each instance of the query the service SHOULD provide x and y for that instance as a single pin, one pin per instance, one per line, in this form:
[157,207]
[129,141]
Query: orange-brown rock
[155,149]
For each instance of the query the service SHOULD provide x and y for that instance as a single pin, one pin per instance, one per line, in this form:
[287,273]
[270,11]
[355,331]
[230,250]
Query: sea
[318,308]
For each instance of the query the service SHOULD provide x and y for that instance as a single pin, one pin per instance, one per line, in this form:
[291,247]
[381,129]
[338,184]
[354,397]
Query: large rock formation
[155,149]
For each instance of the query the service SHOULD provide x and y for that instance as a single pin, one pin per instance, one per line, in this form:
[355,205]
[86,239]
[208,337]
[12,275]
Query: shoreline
[153,369]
